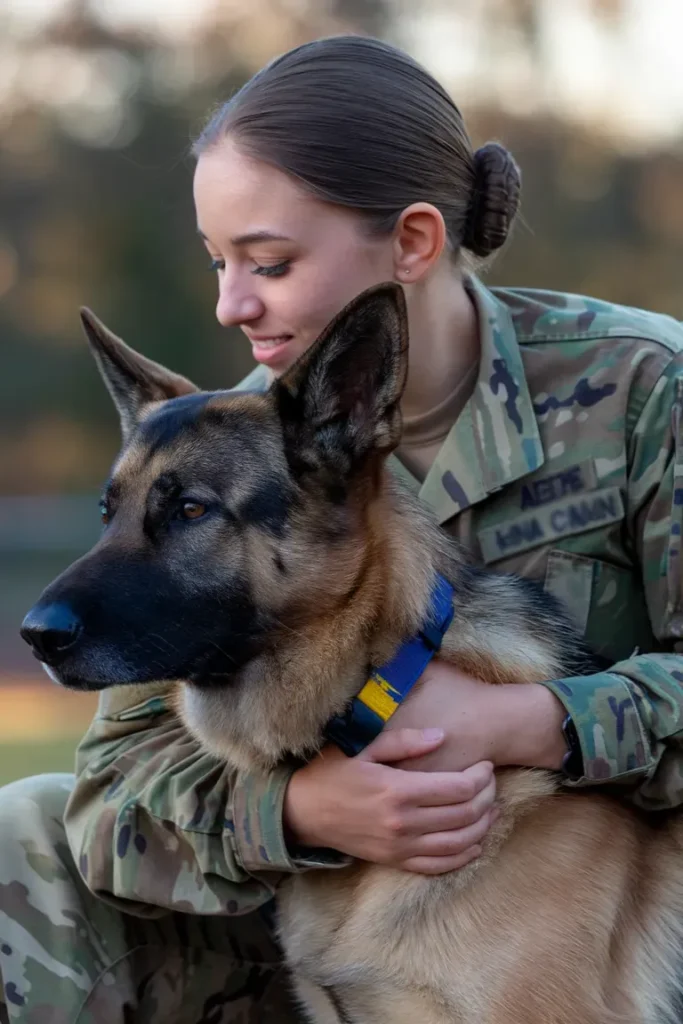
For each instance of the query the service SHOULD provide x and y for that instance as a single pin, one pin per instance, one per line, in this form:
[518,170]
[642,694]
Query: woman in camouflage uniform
[543,429]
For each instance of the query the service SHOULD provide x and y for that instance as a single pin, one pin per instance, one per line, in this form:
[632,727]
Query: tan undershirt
[423,435]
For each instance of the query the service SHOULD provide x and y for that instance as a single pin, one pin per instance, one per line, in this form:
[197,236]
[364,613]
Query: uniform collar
[495,440]
[259,379]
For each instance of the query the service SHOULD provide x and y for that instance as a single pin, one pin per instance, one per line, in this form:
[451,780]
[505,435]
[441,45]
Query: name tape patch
[570,515]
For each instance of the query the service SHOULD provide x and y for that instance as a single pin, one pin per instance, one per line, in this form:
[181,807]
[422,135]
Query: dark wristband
[572,762]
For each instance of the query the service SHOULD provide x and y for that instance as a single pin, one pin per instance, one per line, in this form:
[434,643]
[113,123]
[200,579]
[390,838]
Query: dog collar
[390,684]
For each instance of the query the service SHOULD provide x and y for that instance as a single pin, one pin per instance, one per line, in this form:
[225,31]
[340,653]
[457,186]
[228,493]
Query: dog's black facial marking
[161,499]
[269,507]
[180,414]
[166,484]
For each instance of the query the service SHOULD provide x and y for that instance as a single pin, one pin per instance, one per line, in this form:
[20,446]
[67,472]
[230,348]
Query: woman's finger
[451,817]
[440,865]
[401,744]
[451,844]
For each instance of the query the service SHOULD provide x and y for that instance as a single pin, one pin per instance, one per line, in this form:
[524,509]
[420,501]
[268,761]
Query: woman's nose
[237,305]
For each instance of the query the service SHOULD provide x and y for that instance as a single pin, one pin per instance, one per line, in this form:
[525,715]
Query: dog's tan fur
[574,912]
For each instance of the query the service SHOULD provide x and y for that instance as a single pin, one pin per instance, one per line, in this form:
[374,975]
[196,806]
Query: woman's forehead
[240,197]
[246,191]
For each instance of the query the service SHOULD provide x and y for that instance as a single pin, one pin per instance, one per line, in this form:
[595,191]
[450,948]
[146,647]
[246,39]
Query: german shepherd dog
[263,540]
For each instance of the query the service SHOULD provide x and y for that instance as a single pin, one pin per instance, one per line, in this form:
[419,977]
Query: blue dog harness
[390,684]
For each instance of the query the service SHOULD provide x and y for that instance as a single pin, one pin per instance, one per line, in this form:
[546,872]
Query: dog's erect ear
[340,401]
[133,380]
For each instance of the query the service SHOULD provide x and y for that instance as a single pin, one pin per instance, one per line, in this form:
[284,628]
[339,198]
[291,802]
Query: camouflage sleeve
[156,824]
[630,719]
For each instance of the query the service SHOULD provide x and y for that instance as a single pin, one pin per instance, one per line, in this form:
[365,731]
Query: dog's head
[229,517]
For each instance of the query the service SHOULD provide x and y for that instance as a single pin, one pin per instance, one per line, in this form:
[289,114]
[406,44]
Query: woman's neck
[444,341]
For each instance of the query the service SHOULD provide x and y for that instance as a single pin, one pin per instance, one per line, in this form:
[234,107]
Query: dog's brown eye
[193,510]
[104,515]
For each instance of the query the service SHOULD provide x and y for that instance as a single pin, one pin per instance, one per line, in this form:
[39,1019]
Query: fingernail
[432,734]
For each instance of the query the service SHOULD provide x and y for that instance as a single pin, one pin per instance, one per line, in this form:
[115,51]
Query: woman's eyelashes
[261,269]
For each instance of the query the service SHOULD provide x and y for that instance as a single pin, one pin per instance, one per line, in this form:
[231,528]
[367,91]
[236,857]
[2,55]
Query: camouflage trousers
[67,957]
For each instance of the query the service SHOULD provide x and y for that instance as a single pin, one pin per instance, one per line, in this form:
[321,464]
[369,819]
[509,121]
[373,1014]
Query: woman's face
[286,263]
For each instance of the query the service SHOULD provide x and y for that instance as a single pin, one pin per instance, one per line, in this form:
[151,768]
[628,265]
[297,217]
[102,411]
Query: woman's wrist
[297,821]
[531,727]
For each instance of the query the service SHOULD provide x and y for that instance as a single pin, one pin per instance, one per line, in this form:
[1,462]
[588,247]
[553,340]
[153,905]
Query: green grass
[18,760]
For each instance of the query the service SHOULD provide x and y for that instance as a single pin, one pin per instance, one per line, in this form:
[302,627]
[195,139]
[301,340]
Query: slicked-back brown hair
[361,124]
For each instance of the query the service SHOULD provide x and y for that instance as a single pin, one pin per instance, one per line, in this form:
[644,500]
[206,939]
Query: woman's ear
[419,240]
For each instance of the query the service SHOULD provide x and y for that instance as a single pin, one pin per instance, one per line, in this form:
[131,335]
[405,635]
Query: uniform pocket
[569,578]
[604,600]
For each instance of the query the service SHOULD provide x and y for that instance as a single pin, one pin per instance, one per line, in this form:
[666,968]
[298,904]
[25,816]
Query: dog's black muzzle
[112,621]
[52,631]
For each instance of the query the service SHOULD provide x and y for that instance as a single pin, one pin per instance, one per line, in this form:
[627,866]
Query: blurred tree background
[99,100]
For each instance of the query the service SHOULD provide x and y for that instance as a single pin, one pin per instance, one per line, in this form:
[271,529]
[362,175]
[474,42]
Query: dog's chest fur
[385,945]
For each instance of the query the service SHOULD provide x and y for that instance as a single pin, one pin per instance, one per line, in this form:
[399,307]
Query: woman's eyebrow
[253,236]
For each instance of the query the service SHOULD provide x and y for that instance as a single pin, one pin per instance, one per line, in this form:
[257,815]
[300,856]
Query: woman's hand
[428,822]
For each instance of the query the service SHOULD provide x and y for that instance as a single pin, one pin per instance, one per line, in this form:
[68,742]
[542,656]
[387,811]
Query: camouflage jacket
[566,466]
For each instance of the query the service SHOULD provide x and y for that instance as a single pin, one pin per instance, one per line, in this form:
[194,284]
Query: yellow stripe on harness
[377,695]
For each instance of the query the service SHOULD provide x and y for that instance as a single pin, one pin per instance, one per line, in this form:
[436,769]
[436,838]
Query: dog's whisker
[168,645]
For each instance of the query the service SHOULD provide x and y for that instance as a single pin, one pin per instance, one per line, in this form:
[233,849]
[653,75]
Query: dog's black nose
[51,630]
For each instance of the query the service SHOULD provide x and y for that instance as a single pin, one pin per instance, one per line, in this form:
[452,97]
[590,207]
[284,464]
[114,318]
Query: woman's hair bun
[495,199]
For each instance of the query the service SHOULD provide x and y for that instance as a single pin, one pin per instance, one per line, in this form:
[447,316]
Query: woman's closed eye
[261,269]
[272,269]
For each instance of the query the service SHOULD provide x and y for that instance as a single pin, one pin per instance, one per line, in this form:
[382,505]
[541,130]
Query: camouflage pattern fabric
[567,468]
[67,957]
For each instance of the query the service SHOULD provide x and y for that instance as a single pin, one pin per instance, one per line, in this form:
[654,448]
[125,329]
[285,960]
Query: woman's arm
[155,824]
[629,720]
